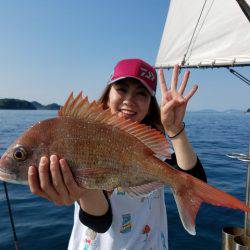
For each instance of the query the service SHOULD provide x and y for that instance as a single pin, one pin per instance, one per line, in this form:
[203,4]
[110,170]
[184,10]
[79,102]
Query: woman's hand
[173,104]
[54,181]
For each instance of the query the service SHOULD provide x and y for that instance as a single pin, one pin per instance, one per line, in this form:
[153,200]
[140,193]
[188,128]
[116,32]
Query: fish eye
[20,154]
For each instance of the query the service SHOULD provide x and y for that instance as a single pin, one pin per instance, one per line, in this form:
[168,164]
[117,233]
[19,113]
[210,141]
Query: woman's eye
[142,93]
[122,90]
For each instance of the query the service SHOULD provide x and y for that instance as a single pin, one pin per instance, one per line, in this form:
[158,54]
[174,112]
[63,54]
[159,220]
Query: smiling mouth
[127,112]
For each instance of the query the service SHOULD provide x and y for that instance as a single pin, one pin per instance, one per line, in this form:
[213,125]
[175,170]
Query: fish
[105,152]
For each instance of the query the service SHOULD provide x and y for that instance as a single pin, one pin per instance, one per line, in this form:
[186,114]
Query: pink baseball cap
[138,69]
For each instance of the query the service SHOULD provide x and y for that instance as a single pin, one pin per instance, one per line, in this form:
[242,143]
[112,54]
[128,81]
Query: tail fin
[189,192]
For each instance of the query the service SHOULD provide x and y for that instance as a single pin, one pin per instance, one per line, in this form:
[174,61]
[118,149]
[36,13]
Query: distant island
[8,103]
[216,111]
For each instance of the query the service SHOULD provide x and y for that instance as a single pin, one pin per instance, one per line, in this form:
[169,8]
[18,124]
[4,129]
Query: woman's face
[129,99]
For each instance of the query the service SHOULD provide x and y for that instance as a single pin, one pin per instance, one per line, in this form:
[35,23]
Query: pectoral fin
[188,206]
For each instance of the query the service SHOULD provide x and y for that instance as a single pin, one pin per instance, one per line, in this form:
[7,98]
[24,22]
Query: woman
[117,221]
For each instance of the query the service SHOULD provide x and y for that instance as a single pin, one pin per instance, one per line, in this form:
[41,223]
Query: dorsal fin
[81,108]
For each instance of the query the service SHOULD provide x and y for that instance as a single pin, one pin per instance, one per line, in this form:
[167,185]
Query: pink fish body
[106,152]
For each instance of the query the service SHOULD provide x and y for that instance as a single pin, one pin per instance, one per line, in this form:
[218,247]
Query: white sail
[205,33]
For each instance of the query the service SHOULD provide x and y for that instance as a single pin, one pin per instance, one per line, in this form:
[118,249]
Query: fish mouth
[7,176]
[11,178]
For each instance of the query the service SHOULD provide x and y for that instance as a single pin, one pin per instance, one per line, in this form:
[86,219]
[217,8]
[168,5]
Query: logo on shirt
[89,240]
[120,191]
[126,223]
[146,230]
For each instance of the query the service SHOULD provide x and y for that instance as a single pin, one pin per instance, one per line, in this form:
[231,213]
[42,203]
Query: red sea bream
[105,152]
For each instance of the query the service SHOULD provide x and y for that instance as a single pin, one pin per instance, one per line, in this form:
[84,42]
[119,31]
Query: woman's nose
[129,98]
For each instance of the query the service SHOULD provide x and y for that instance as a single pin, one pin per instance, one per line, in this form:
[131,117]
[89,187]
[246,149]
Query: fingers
[174,80]
[45,182]
[184,82]
[34,184]
[57,179]
[179,94]
[162,81]
[68,179]
[54,181]
[43,170]
[170,105]
[191,93]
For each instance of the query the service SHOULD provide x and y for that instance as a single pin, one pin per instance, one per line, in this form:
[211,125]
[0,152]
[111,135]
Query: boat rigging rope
[184,58]
[197,33]
[11,216]
[241,77]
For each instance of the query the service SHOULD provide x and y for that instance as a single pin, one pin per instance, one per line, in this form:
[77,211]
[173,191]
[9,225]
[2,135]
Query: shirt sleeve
[197,170]
[99,224]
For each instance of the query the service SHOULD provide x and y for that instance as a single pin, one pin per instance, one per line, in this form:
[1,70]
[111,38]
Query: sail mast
[245,8]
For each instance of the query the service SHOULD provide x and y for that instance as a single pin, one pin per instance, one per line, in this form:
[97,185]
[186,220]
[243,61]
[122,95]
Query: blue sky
[50,48]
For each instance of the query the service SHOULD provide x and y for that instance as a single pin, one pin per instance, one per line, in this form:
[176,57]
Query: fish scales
[94,146]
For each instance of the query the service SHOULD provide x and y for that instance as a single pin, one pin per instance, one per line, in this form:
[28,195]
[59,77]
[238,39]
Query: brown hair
[152,119]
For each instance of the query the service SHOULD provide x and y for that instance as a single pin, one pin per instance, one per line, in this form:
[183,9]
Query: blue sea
[42,225]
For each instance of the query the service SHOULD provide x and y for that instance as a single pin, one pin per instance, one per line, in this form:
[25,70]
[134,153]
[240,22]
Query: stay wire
[240,76]
[201,26]
[184,58]
[11,216]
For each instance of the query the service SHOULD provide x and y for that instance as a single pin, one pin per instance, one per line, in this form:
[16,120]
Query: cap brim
[152,92]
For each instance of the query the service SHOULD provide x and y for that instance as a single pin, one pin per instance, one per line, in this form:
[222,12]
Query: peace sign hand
[173,104]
